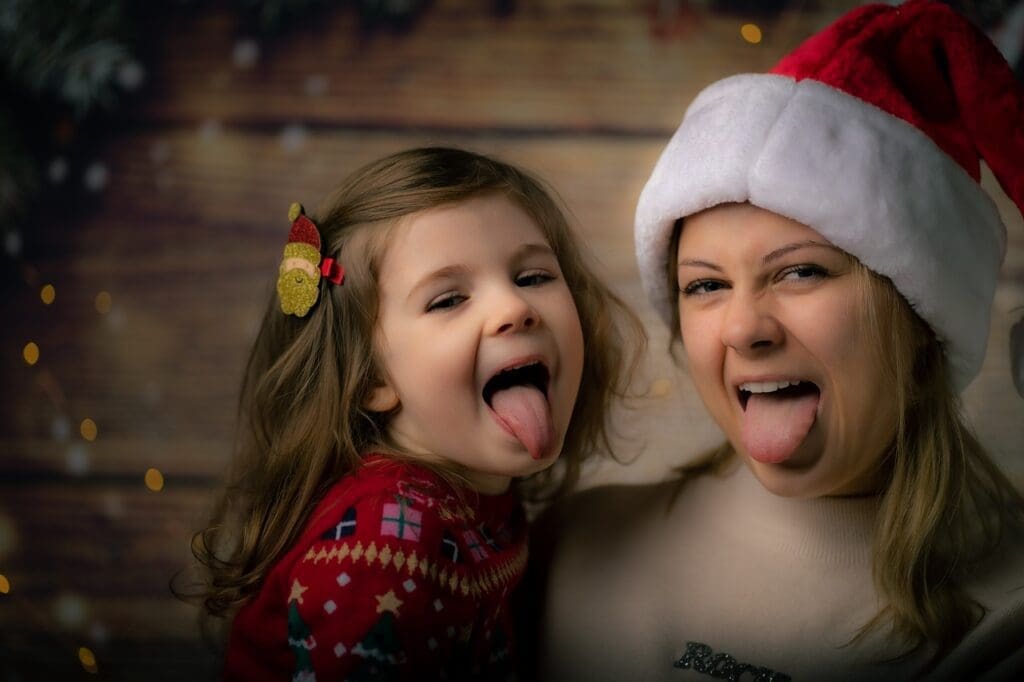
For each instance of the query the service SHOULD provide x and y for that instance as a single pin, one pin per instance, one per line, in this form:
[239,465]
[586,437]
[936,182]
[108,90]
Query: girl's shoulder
[396,503]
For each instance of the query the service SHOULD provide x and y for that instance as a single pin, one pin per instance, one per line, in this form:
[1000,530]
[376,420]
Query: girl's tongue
[523,411]
[774,424]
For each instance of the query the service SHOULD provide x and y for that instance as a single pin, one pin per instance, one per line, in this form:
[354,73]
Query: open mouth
[776,389]
[534,374]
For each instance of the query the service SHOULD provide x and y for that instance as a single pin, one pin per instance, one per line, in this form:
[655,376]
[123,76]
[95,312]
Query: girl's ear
[382,399]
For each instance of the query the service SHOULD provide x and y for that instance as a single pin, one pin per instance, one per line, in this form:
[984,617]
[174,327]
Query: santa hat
[870,133]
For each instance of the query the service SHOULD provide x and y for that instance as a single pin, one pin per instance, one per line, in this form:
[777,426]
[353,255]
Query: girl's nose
[513,313]
[750,325]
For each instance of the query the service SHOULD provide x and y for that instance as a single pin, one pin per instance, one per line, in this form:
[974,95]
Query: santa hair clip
[298,279]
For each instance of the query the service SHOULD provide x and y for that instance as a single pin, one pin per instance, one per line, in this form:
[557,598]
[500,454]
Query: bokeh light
[70,610]
[104,302]
[5,584]
[31,353]
[89,429]
[154,480]
[751,33]
[88,659]
[48,294]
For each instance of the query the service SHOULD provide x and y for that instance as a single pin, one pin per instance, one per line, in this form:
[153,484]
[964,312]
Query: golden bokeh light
[154,480]
[88,659]
[104,302]
[5,584]
[31,353]
[48,294]
[89,429]
[751,33]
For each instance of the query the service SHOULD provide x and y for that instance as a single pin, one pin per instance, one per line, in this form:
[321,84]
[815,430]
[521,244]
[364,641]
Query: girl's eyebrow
[447,272]
[531,248]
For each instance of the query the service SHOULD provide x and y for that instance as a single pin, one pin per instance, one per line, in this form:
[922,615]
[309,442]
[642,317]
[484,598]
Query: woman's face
[772,321]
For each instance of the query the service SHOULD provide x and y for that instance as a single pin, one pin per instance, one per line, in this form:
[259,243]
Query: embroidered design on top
[344,528]
[702,659]
[401,521]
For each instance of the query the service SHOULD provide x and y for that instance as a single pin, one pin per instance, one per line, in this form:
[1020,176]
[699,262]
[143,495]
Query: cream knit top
[733,580]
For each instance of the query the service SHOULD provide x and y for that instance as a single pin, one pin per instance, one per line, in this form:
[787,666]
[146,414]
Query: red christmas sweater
[394,577]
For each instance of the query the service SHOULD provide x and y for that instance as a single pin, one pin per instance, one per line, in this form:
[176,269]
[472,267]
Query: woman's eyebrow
[697,263]
[795,246]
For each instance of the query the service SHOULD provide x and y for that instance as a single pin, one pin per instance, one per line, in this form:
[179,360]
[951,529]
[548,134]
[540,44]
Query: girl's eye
[533,279]
[702,286]
[804,272]
[446,301]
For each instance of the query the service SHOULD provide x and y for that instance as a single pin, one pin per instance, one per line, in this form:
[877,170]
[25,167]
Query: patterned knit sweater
[394,577]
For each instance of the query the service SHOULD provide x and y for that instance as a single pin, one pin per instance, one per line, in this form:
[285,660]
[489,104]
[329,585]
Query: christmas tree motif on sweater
[380,649]
[302,642]
[500,657]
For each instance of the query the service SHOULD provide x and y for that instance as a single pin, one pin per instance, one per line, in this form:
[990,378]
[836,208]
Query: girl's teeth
[766,386]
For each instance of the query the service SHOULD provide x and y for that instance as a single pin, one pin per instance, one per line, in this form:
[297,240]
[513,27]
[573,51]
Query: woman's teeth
[766,386]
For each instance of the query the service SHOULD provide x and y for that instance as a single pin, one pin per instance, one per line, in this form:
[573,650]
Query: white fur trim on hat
[869,182]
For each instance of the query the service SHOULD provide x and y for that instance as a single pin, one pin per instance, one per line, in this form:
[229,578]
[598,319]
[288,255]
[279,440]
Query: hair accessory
[298,277]
[870,132]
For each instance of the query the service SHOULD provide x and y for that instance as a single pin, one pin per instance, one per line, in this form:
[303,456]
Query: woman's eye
[445,302]
[804,272]
[533,279]
[702,286]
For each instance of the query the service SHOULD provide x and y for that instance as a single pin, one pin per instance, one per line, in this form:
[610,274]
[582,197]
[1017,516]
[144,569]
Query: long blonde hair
[302,424]
[944,503]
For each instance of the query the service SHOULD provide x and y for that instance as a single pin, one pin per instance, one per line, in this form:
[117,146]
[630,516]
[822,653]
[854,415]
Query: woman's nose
[750,324]
[512,313]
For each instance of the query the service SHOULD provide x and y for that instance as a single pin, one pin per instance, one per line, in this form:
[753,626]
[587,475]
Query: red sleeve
[366,601]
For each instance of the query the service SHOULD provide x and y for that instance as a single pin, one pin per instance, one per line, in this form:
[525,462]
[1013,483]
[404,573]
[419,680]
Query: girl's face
[479,339]
[771,317]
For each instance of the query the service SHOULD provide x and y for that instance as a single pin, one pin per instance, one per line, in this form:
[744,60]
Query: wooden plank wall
[185,236]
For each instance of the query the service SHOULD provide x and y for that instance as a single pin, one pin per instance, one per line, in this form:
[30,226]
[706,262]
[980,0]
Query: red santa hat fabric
[871,133]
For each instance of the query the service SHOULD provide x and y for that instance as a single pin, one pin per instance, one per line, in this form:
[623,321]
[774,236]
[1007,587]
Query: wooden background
[183,231]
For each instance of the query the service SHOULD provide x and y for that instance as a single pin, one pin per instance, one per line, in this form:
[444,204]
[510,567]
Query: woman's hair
[944,503]
[302,421]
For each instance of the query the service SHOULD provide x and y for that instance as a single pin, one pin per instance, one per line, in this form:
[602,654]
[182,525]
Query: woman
[820,244]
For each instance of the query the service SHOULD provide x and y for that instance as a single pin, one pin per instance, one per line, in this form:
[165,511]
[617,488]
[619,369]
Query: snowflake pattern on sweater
[394,577]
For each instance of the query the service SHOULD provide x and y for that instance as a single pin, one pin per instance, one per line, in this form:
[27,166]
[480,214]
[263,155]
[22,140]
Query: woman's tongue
[774,424]
[523,411]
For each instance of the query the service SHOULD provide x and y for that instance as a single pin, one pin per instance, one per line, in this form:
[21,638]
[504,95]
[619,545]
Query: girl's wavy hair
[302,424]
[944,503]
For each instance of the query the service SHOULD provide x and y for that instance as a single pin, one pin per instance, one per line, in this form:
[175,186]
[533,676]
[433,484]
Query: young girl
[820,243]
[434,335]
